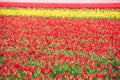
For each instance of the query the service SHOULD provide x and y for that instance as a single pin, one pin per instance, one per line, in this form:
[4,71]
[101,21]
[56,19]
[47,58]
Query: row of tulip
[61,5]
[71,13]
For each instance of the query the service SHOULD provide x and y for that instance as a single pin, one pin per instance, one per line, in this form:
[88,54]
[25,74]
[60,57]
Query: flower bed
[60,45]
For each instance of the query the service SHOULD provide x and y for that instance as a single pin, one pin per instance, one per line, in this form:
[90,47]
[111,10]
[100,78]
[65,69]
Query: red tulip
[50,70]
[15,75]
[59,77]
[31,52]
[99,75]
[83,73]
[91,76]
[0,32]
[77,77]
[42,70]
[67,75]
[24,78]
[29,75]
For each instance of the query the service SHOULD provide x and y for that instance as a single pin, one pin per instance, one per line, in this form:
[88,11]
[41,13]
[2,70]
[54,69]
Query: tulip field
[59,44]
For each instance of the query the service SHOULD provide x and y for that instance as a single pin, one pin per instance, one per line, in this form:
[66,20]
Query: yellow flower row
[78,13]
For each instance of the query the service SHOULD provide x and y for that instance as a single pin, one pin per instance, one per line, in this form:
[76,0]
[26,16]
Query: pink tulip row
[61,5]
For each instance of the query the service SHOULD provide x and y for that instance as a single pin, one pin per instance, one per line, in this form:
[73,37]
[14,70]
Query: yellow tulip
[77,13]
